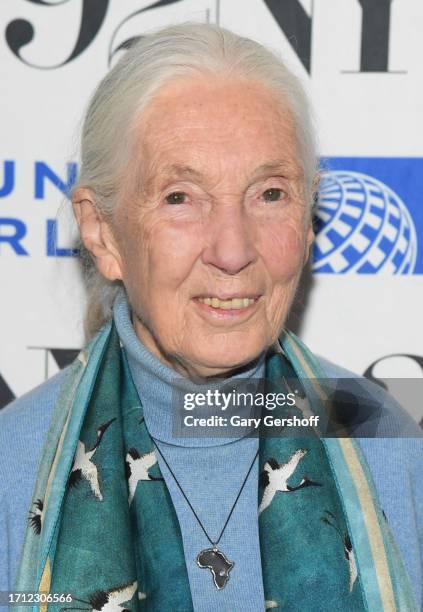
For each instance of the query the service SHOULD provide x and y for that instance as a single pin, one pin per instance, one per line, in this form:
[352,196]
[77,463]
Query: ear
[96,234]
[310,236]
[310,231]
[316,182]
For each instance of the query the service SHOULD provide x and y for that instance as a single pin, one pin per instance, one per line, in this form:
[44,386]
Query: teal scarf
[325,546]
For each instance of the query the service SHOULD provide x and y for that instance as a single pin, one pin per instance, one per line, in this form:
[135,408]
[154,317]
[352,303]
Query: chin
[219,360]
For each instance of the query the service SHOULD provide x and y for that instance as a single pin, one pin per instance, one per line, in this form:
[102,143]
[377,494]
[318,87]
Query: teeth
[232,304]
[237,303]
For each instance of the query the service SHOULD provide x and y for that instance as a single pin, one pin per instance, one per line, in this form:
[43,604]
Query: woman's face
[214,211]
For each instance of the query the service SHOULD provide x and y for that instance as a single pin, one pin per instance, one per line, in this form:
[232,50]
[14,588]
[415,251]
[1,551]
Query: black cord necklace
[212,558]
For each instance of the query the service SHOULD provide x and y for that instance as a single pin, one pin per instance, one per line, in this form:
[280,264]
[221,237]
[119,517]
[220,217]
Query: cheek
[283,250]
[173,253]
[160,255]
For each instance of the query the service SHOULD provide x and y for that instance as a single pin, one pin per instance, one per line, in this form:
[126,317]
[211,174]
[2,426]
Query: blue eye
[273,195]
[176,197]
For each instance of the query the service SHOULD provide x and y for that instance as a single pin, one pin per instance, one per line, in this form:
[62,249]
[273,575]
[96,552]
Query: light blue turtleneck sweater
[395,462]
[211,472]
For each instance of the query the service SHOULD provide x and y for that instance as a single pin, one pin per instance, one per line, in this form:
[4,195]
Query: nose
[230,240]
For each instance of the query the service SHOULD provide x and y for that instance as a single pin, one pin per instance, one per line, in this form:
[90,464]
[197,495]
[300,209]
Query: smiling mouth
[237,303]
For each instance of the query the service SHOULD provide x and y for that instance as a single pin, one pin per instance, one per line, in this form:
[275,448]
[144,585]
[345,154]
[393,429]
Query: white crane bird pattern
[274,478]
[84,467]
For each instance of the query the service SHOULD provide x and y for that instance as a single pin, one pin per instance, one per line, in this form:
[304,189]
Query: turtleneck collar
[156,382]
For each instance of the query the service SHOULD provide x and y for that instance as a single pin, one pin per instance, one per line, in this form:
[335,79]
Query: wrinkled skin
[220,144]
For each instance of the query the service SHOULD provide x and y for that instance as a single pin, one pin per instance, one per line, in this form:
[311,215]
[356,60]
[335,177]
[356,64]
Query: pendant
[217,563]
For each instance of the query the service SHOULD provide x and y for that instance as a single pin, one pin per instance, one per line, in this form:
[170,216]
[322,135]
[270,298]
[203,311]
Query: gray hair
[189,48]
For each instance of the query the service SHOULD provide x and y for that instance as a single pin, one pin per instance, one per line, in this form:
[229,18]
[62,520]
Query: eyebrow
[280,166]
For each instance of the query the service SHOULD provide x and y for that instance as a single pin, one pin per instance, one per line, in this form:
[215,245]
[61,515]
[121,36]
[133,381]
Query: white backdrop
[360,62]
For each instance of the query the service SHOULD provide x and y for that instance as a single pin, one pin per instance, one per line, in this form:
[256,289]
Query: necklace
[212,558]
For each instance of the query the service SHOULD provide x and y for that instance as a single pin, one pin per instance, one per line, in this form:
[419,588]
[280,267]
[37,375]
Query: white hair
[189,48]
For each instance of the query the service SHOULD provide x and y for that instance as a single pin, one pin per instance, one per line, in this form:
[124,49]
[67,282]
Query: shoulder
[391,440]
[25,422]
[34,406]
[382,416]
[396,439]
[24,425]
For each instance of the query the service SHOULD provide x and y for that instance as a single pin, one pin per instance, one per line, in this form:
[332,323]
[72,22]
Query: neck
[198,374]
[162,389]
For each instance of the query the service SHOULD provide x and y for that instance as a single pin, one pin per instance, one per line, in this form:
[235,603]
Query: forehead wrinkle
[185,171]
[175,170]
[182,171]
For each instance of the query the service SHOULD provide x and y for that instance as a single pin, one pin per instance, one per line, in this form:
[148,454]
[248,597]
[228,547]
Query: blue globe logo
[362,227]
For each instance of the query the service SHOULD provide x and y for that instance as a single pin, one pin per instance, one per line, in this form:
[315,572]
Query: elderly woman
[194,206]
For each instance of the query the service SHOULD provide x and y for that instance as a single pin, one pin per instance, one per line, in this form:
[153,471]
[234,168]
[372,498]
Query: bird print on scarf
[274,478]
[136,467]
[36,516]
[330,519]
[83,467]
[108,601]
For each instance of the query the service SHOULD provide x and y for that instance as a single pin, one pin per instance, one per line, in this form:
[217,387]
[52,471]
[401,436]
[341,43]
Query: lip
[223,315]
[231,296]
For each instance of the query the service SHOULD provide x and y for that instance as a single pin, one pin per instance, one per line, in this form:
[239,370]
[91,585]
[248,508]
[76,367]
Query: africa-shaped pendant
[217,563]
